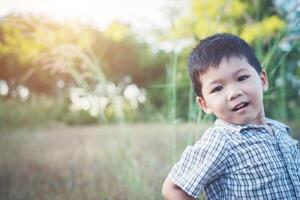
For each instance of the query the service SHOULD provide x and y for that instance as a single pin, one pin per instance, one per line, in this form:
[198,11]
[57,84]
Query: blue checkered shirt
[241,162]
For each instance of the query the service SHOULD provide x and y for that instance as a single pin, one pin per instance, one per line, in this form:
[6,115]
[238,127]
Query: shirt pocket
[253,169]
[253,176]
[256,160]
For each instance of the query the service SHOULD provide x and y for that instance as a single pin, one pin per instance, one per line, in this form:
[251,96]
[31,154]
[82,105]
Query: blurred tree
[249,19]
[122,53]
[23,38]
[28,45]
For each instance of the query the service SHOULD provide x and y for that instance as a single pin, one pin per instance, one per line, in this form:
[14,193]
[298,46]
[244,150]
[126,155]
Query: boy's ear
[264,80]
[203,105]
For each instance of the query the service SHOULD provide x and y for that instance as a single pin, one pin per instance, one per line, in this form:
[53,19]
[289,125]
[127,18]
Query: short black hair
[211,50]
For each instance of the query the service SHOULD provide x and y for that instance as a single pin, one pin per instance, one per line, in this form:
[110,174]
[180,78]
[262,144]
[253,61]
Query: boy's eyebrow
[214,82]
[238,71]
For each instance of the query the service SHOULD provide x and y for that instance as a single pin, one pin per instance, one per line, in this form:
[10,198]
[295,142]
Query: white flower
[95,101]
[3,88]
[23,92]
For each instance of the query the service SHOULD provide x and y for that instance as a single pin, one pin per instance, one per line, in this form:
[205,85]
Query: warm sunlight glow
[141,14]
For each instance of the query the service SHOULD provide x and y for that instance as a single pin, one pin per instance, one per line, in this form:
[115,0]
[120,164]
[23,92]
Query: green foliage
[37,111]
[41,110]
[131,57]
[251,20]
[78,118]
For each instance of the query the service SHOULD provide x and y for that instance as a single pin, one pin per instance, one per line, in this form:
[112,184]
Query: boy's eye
[242,78]
[216,89]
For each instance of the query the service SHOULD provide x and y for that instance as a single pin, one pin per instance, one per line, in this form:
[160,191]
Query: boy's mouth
[240,106]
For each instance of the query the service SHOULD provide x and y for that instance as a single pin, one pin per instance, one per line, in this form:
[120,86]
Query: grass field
[90,162]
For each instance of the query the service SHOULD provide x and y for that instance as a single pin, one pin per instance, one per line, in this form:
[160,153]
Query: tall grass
[275,62]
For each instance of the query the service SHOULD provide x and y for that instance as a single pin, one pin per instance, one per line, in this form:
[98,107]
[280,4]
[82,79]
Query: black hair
[211,50]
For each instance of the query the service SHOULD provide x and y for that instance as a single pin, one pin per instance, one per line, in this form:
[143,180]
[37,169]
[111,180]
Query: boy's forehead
[225,60]
[231,65]
[232,60]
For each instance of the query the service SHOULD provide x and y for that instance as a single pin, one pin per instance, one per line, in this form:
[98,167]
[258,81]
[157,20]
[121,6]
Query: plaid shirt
[241,162]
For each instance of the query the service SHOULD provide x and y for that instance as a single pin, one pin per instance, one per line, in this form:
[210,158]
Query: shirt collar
[237,128]
[276,125]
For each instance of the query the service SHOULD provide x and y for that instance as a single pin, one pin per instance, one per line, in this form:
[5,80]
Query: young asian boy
[245,155]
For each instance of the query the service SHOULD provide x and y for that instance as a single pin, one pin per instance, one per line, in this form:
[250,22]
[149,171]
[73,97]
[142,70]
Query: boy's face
[233,92]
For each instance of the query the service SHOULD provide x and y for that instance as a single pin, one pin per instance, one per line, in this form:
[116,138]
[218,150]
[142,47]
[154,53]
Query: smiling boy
[244,155]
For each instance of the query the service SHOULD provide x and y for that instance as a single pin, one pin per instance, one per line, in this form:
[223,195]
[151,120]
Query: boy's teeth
[239,106]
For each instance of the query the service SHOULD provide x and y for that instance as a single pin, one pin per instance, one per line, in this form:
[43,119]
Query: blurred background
[95,100]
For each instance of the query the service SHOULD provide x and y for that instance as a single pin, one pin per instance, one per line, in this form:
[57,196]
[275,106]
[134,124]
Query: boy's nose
[233,93]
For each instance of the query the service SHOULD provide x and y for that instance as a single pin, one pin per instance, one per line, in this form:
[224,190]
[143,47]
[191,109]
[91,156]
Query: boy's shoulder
[217,132]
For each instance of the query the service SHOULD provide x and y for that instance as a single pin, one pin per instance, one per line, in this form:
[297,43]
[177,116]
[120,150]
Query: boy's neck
[261,122]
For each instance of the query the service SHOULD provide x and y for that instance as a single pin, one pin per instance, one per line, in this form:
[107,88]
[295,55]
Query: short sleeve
[201,163]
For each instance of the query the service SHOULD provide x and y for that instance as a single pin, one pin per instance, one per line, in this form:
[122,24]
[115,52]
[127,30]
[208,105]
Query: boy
[244,155]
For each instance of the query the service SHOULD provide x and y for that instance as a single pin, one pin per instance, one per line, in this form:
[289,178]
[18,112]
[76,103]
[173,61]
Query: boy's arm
[171,191]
